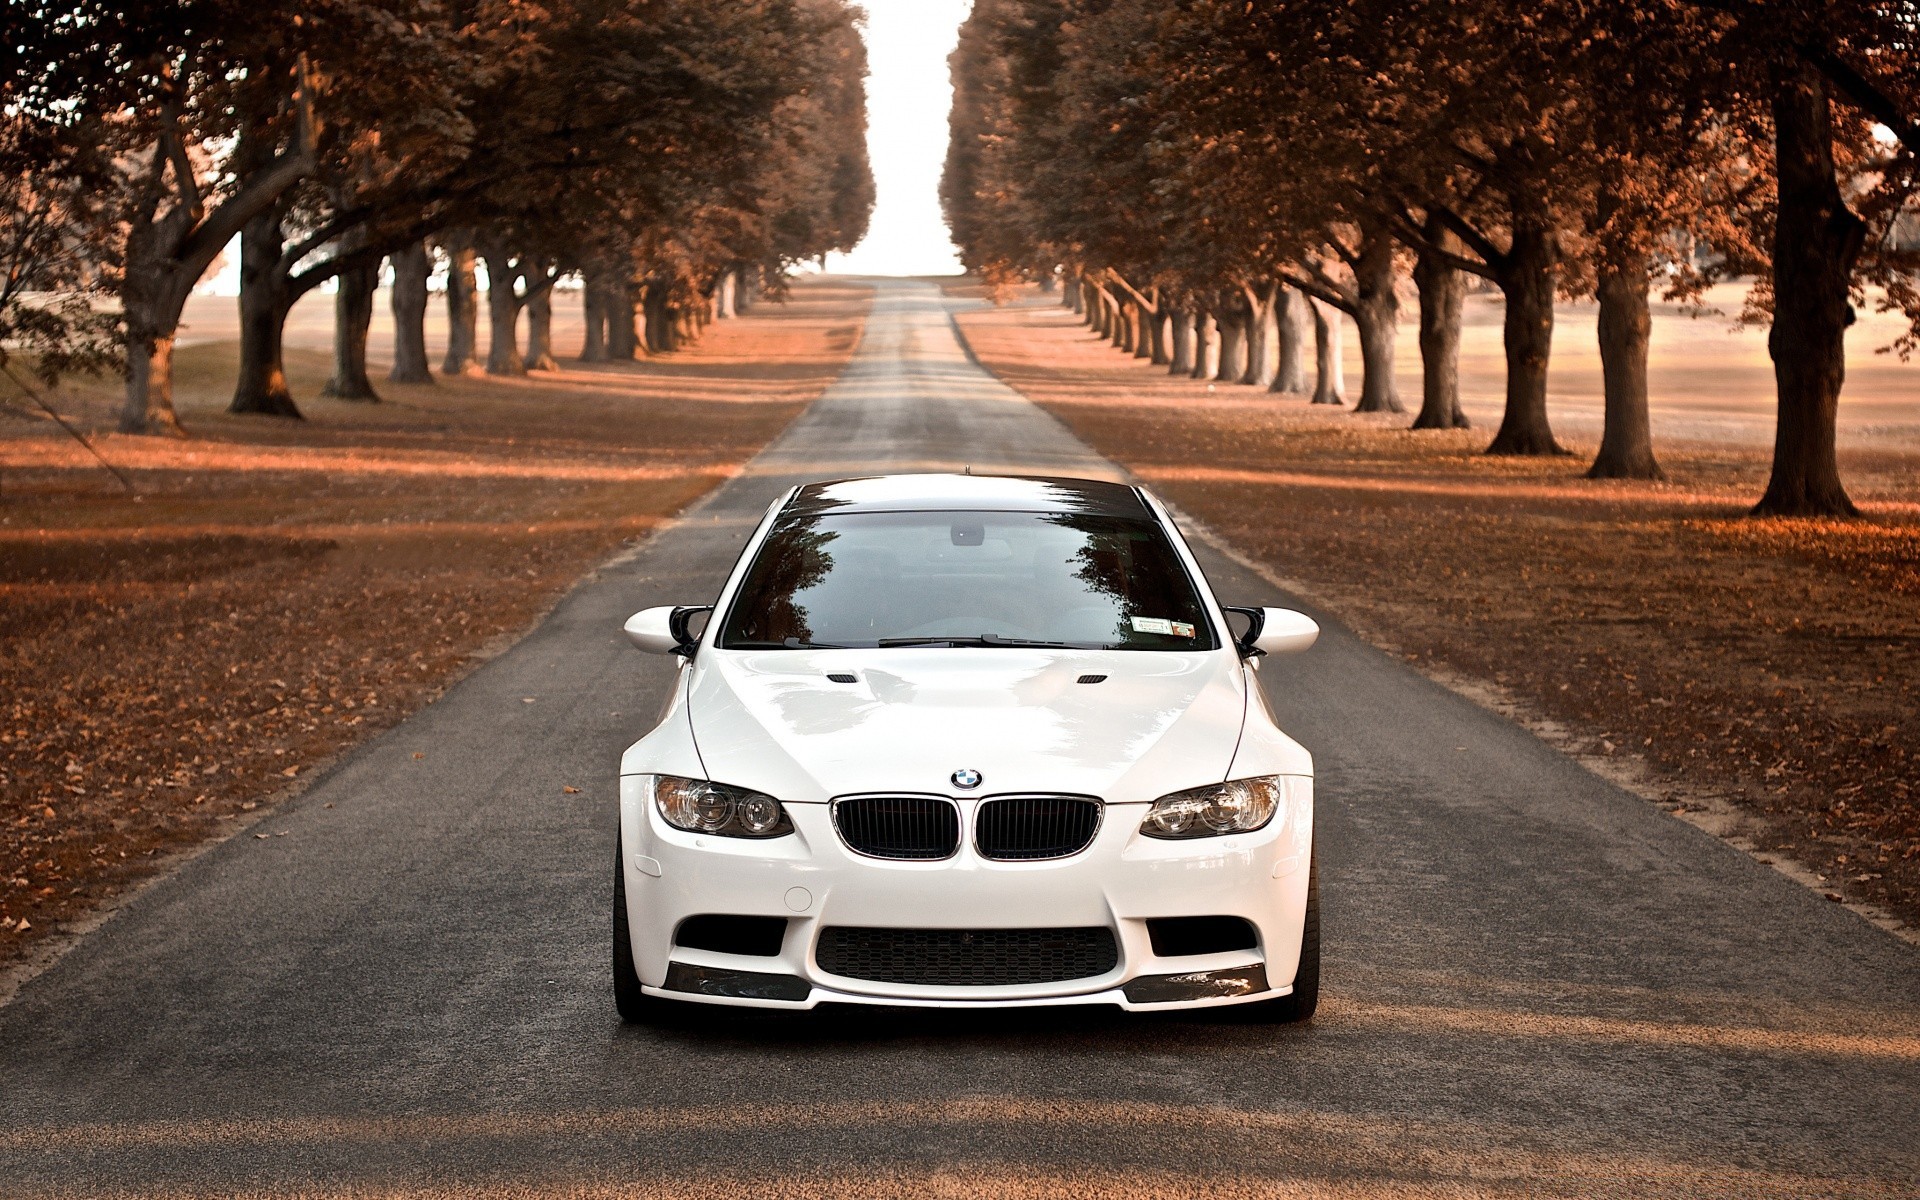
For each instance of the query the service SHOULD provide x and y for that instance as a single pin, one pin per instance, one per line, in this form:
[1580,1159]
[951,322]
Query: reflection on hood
[1158,722]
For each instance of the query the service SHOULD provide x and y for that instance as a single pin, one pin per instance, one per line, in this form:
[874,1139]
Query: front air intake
[909,827]
[967,957]
[1033,827]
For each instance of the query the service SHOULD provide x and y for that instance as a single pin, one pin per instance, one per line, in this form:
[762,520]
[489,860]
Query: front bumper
[812,880]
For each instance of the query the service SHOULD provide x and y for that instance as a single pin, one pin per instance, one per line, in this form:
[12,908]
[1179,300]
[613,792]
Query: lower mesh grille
[967,957]
[899,826]
[1031,827]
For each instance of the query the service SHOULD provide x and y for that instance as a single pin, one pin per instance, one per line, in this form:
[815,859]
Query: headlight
[1236,806]
[702,806]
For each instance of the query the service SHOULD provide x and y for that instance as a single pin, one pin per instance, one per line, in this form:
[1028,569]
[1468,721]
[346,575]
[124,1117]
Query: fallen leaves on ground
[170,662]
[1774,663]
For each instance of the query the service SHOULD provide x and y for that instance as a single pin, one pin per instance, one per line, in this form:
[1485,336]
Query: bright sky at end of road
[908,95]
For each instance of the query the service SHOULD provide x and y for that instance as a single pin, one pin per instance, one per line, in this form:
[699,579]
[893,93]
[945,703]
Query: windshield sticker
[1163,626]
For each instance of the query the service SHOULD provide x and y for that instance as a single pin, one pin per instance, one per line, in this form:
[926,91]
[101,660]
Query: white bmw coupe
[954,740]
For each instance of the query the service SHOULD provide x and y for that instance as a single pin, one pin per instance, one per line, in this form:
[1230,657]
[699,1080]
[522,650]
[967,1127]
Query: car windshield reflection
[980,580]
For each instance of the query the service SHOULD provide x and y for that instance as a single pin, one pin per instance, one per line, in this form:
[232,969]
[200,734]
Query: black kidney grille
[967,957]
[1026,827]
[899,826]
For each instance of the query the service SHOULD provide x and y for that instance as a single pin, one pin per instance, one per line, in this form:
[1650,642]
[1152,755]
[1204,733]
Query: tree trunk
[1817,240]
[1101,311]
[539,304]
[1143,322]
[152,304]
[1528,279]
[1233,346]
[352,318]
[1290,318]
[1263,344]
[1123,329]
[1206,345]
[503,316]
[1443,297]
[593,307]
[1070,295]
[1330,375]
[627,319]
[1626,440]
[1158,352]
[1376,314]
[149,402]
[262,383]
[411,269]
[1182,357]
[656,332]
[540,331]
[463,308]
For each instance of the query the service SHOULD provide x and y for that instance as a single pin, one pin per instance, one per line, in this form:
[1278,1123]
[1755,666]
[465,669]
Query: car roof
[988,493]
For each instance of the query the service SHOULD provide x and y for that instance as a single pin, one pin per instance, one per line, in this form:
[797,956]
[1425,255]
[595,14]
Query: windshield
[967,579]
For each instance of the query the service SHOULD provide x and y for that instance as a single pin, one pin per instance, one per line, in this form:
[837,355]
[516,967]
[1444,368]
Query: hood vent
[842,677]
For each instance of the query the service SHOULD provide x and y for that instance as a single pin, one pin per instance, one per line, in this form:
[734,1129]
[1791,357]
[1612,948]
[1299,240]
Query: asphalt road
[1536,984]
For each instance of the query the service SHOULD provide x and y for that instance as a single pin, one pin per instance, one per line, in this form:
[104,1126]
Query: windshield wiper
[988,639]
[787,644]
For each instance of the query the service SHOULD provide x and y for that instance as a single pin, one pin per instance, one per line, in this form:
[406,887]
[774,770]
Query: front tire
[1298,1005]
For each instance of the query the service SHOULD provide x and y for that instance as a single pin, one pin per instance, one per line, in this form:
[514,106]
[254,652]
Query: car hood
[1159,721]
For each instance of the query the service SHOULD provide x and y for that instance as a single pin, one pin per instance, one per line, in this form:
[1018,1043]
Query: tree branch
[1130,290]
[1492,258]
[174,143]
[340,223]
[1313,286]
[1410,233]
[1861,90]
[262,187]
[1349,257]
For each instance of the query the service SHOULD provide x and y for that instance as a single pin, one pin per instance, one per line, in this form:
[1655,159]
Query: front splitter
[1147,993]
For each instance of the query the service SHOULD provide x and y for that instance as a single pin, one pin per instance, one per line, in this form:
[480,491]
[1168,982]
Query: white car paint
[770,721]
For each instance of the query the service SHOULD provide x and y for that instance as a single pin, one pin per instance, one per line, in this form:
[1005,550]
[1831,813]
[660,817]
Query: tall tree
[1832,70]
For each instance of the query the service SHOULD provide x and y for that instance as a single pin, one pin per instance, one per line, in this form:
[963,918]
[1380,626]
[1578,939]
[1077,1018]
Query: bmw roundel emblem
[966,777]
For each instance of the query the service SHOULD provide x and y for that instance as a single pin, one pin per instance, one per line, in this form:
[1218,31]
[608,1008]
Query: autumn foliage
[1210,179]
[678,154]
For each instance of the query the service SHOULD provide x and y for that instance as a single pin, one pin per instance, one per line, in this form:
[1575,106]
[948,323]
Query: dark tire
[635,1006]
[1297,1006]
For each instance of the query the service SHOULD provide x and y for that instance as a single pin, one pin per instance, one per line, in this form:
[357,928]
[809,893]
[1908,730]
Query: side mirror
[1275,631]
[665,630]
